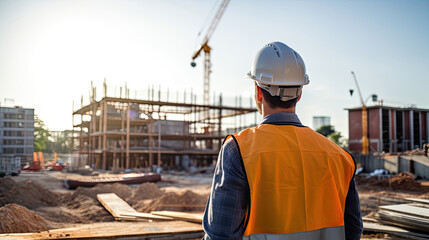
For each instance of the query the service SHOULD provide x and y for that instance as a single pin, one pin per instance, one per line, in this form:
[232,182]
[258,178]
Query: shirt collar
[281,117]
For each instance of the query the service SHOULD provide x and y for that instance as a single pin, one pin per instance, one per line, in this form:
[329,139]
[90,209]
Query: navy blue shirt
[229,197]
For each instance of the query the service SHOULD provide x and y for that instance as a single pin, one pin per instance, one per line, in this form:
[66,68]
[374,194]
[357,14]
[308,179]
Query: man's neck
[268,111]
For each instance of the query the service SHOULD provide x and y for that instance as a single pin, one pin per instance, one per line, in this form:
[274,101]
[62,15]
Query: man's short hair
[275,102]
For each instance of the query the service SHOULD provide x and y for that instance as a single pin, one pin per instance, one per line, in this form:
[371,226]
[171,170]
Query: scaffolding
[123,132]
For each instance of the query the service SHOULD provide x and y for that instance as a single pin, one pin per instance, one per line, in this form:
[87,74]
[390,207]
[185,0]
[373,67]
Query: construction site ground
[41,202]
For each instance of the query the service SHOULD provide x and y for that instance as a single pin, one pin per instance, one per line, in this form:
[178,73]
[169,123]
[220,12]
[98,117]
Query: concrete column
[427,127]
[390,131]
[420,130]
[127,150]
[395,134]
[104,135]
[403,132]
[380,138]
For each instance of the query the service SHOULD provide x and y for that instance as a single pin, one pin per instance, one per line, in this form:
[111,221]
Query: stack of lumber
[412,216]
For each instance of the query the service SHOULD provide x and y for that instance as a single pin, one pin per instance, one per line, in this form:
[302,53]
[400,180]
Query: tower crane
[206,48]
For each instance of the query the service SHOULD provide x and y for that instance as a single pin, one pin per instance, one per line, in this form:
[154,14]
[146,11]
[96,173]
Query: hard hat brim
[300,83]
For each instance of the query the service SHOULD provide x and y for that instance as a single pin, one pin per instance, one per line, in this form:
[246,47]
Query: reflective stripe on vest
[322,234]
[298,182]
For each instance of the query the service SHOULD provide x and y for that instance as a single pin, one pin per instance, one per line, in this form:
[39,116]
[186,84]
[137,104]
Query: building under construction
[122,132]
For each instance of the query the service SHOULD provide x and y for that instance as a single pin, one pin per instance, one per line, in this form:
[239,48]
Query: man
[280,179]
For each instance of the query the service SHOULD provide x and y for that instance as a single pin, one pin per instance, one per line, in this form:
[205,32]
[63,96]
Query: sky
[50,51]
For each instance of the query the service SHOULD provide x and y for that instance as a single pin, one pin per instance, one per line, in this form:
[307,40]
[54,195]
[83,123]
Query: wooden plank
[117,230]
[121,210]
[147,216]
[366,219]
[418,200]
[408,209]
[187,216]
[115,205]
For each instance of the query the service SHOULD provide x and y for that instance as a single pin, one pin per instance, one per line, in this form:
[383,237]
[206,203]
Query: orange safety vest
[298,183]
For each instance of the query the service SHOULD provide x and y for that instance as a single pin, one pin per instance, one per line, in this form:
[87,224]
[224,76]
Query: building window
[9,150]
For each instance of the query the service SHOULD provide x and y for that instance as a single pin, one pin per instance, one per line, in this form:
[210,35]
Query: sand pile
[18,219]
[403,181]
[29,194]
[186,202]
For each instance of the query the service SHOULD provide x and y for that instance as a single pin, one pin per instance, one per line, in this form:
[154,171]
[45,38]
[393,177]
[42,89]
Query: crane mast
[365,142]
[206,48]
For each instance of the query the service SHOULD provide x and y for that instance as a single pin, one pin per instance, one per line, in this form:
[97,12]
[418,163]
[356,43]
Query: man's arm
[227,203]
[352,215]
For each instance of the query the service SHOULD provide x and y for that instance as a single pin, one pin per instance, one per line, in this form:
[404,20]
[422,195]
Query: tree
[41,135]
[337,138]
[326,130]
[59,142]
[329,132]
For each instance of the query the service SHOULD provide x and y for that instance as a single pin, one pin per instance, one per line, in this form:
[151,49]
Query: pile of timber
[407,221]
[130,178]
[414,216]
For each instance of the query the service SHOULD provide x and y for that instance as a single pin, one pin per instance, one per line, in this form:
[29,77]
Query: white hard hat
[280,70]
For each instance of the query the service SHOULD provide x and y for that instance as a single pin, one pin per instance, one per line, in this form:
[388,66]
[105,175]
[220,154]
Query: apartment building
[17,132]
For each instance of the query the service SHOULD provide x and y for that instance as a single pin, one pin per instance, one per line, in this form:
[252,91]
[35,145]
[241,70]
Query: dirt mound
[6,184]
[18,219]
[145,191]
[185,202]
[404,181]
[30,195]
[123,191]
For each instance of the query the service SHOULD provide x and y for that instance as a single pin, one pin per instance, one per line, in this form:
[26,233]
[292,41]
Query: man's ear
[258,93]
[299,98]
